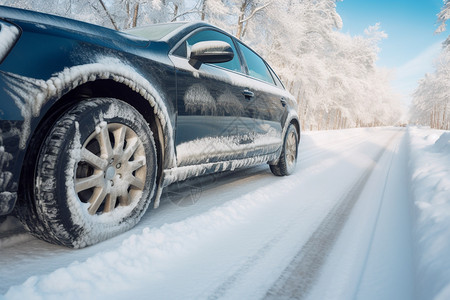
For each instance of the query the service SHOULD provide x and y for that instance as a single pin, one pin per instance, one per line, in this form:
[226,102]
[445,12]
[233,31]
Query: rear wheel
[95,175]
[288,158]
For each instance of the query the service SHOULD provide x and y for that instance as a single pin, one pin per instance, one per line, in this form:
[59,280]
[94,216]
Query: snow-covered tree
[333,75]
[117,14]
[431,103]
[431,99]
[443,16]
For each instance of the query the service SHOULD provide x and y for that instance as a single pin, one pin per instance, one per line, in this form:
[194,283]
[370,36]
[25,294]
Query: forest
[333,75]
[431,100]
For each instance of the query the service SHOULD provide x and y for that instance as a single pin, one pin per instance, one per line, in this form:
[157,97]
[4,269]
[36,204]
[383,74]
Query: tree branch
[193,11]
[254,12]
[109,15]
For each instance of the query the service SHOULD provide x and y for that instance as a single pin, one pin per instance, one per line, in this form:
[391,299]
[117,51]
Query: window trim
[276,77]
[271,72]
[236,42]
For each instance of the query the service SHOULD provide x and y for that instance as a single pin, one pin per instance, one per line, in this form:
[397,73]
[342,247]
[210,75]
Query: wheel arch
[131,88]
[291,118]
[296,123]
[108,88]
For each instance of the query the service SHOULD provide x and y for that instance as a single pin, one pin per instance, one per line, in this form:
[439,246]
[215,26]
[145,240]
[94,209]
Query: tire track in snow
[300,275]
[311,153]
[220,291]
[228,284]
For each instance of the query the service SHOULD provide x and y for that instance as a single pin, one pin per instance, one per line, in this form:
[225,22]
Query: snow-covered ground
[364,216]
[430,172]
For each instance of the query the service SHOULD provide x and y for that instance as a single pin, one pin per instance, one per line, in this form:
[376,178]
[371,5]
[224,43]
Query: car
[95,123]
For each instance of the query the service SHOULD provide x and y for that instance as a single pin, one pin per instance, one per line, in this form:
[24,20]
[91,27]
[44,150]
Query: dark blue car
[94,123]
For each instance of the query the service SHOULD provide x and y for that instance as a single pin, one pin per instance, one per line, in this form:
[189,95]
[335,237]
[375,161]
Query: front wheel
[288,158]
[95,174]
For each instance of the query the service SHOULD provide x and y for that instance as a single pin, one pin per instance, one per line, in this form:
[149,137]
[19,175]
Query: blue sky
[411,45]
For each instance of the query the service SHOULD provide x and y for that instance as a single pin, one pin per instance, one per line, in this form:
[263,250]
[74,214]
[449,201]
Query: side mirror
[210,52]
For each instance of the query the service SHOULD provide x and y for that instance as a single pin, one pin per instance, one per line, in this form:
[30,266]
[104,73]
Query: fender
[63,82]
[48,92]
[291,116]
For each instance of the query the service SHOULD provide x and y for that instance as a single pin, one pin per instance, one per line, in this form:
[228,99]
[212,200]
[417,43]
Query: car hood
[52,22]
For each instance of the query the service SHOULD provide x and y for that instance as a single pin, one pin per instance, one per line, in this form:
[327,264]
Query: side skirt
[185,172]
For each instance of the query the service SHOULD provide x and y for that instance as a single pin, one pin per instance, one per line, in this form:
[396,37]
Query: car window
[211,35]
[256,66]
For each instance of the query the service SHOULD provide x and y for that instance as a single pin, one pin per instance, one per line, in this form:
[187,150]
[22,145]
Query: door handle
[248,94]
[283,101]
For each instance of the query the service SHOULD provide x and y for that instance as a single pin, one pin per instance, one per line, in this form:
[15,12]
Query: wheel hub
[112,170]
[110,173]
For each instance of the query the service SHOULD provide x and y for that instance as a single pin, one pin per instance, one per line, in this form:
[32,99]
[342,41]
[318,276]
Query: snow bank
[430,186]
[443,143]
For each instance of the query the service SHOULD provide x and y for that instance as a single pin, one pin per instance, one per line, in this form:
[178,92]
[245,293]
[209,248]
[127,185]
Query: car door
[211,105]
[268,106]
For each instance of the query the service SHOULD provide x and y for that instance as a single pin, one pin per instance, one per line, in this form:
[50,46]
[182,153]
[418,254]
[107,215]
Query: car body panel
[56,58]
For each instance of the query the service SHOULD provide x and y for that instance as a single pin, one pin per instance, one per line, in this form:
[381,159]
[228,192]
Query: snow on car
[95,122]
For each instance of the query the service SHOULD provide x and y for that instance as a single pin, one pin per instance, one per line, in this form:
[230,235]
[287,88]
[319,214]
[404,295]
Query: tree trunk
[431,119]
[240,24]
[175,10]
[340,120]
[135,15]
[319,120]
[203,15]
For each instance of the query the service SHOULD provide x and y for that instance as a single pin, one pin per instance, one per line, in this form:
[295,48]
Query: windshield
[154,32]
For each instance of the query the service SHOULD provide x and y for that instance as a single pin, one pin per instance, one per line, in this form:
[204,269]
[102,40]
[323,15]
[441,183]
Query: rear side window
[256,66]
[211,35]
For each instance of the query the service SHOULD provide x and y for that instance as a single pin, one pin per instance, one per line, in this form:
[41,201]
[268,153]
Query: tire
[288,158]
[94,177]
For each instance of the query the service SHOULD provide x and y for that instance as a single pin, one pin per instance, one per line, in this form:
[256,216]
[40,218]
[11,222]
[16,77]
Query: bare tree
[109,15]
[248,5]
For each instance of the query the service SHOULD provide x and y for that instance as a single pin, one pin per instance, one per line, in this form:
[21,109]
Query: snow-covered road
[339,228]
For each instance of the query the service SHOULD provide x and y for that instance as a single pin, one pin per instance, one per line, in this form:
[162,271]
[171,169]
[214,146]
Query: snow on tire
[95,174]
[288,158]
